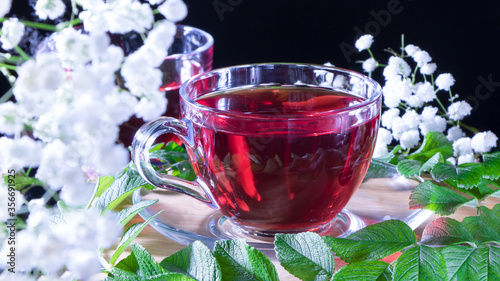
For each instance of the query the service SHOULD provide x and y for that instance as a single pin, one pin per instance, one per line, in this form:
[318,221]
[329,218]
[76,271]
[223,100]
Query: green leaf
[445,231]
[469,174]
[239,261]
[433,143]
[379,169]
[103,183]
[129,236]
[420,263]
[19,180]
[490,218]
[195,261]
[175,160]
[305,255]
[484,189]
[125,215]
[128,264]
[373,242]
[441,200]
[409,167]
[480,230]
[389,156]
[444,171]
[364,270]
[491,162]
[429,164]
[493,262]
[120,189]
[461,262]
[148,267]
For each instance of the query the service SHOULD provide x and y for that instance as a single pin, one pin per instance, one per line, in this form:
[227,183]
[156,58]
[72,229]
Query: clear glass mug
[191,53]
[277,147]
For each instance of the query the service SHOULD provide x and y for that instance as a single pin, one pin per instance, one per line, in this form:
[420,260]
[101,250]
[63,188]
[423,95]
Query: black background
[461,36]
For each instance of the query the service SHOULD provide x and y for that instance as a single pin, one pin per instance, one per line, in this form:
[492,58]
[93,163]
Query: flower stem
[5,97]
[39,25]
[442,106]
[469,128]
[22,53]
[8,66]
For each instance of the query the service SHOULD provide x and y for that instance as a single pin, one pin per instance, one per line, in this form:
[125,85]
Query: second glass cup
[276,147]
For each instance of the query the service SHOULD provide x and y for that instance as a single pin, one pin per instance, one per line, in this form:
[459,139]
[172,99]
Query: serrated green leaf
[239,261]
[195,261]
[379,169]
[389,156]
[433,143]
[469,175]
[148,267]
[491,162]
[125,215]
[120,189]
[364,270]
[461,263]
[445,231]
[103,183]
[305,255]
[493,262]
[373,242]
[409,167]
[129,236]
[484,189]
[160,277]
[420,263]
[128,264]
[429,164]
[490,218]
[480,230]
[441,200]
[444,171]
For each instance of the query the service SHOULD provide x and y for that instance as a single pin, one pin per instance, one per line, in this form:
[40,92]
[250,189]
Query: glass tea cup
[191,53]
[276,147]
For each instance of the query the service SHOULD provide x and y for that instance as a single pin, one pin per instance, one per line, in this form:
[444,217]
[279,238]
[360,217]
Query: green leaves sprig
[448,250]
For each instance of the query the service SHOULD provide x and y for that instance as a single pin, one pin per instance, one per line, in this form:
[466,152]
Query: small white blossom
[380,149]
[458,110]
[434,124]
[428,68]
[384,136]
[445,81]
[11,118]
[5,6]
[151,107]
[173,10]
[411,49]
[484,142]
[426,92]
[19,153]
[414,101]
[462,146]
[72,47]
[421,57]
[411,119]
[364,42]
[12,32]
[395,90]
[396,67]
[466,158]
[455,133]
[389,116]
[452,160]
[51,9]
[155,2]
[398,128]
[409,139]
[369,65]
[428,113]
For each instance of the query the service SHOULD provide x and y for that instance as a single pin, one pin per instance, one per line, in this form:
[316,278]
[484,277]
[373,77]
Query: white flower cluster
[70,100]
[53,242]
[410,115]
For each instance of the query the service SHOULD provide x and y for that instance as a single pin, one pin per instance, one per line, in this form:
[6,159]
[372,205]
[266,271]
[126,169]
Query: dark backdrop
[461,36]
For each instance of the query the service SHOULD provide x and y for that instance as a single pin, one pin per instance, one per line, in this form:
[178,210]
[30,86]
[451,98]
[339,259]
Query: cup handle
[141,145]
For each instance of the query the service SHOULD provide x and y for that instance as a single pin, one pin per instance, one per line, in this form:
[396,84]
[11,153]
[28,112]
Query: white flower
[414,101]
[5,7]
[462,146]
[84,264]
[411,49]
[72,47]
[12,32]
[426,92]
[155,2]
[395,90]
[428,113]
[384,136]
[173,10]
[51,9]
[458,110]
[11,118]
[452,160]
[421,57]
[466,158]
[151,107]
[398,128]
[19,153]
[141,79]
[396,67]
[369,65]
[389,116]
[411,119]
[409,139]
[484,142]
[434,124]
[428,68]
[445,81]
[455,133]
[380,149]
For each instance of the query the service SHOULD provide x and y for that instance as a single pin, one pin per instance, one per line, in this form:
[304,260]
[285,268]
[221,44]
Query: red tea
[275,175]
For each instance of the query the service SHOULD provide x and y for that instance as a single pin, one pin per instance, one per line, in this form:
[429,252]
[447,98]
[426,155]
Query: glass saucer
[383,195]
